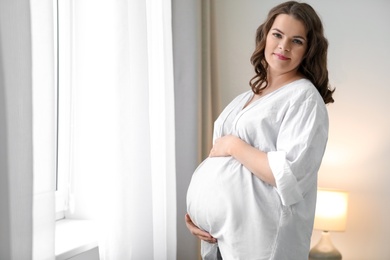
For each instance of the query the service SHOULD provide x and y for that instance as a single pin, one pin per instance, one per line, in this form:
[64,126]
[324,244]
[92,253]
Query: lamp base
[325,249]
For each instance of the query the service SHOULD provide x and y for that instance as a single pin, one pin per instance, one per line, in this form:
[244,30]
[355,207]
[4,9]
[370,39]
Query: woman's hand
[203,235]
[253,159]
[223,146]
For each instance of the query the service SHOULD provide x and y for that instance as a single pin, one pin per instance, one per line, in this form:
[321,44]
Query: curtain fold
[162,123]
[123,164]
[209,102]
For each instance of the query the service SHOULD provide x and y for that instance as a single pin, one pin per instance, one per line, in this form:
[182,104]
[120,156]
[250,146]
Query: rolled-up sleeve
[300,147]
[286,183]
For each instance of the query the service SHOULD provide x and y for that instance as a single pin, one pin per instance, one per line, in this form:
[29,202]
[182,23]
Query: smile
[280,56]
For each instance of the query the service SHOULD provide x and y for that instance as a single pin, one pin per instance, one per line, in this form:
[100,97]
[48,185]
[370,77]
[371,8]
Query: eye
[297,41]
[277,35]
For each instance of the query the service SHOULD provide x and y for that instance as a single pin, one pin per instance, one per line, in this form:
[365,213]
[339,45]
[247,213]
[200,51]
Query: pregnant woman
[254,196]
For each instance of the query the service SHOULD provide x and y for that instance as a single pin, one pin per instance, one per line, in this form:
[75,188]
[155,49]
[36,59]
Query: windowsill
[74,237]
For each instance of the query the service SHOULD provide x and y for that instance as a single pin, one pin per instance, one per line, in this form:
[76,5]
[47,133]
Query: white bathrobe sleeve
[300,147]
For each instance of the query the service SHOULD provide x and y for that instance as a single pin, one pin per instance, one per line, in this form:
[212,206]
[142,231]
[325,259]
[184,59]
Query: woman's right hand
[203,235]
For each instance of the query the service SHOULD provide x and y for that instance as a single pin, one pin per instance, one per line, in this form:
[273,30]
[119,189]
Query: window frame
[63,25]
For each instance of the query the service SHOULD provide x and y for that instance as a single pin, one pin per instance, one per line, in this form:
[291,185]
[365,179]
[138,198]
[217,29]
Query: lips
[280,56]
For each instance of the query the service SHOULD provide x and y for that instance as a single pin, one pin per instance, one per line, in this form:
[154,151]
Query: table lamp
[331,215]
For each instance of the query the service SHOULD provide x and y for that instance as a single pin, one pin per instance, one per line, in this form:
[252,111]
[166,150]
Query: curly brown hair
[314,64]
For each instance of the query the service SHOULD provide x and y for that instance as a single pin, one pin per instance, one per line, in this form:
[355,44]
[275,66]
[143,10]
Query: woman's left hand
[201,234]
[223,146]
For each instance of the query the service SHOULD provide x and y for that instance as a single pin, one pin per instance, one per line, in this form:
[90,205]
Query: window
[120,133]
[64,105]
[72,236]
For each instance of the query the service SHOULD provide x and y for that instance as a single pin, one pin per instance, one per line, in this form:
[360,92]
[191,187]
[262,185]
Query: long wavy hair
[314,64]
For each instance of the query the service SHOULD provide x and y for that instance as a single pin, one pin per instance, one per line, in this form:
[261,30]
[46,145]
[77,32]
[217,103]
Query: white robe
[250,218]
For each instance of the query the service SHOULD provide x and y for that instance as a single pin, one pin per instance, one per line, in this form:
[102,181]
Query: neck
[276,81]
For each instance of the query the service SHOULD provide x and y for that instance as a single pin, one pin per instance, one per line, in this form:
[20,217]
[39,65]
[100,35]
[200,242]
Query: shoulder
[303,98]
[304,90]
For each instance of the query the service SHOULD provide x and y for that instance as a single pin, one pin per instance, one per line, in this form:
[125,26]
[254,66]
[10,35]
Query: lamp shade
[331,210]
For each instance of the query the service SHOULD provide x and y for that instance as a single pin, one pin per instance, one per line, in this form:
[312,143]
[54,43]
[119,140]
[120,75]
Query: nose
[284,45]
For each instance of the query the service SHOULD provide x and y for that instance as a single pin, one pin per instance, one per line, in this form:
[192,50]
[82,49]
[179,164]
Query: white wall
[186,42]
[26,128]
[357,156]
[15,131]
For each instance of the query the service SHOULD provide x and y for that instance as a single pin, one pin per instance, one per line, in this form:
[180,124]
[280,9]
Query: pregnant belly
[218,191]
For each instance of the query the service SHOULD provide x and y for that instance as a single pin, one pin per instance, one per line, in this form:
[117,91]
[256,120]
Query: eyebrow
[295,37]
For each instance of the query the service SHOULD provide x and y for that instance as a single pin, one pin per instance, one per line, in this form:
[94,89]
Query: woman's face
[286,45]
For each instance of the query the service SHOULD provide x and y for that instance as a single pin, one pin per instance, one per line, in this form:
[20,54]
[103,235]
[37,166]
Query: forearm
[253,159]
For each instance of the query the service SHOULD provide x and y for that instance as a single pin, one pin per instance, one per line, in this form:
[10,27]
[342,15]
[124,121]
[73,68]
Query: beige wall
[358,154]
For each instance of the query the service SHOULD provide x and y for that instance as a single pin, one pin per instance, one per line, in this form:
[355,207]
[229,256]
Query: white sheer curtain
[123,163]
